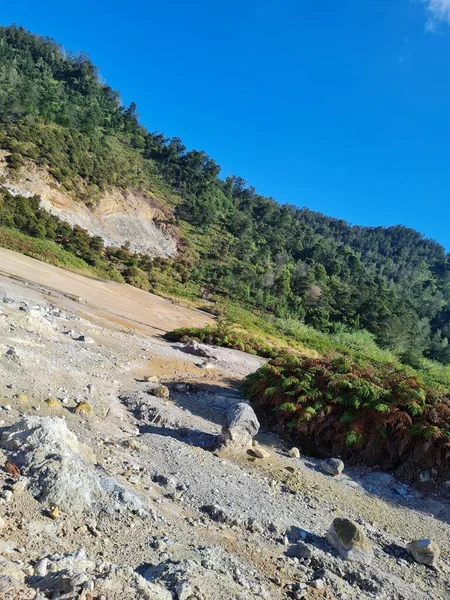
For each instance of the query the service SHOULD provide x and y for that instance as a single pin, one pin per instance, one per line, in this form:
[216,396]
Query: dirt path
[117,303]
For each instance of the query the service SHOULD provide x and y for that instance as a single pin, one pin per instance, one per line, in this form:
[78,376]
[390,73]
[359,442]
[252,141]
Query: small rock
[299,550]
[54,513]
[20,486]
[424,551]
[11,353]
[51,403]
[133,444]
[6,495]
[260,452]
[89,585]
[350,541]
[319,584]
[207,365]
[151,379]
[332,466]
[184,591]
[160,392]
[40,568]
[294,452]
[426,476]
[83,407]
[196,349]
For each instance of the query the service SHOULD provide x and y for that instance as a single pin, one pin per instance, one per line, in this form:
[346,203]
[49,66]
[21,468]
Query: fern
[353,438]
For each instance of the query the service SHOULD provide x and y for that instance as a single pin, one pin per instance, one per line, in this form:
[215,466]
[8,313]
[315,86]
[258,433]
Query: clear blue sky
[339,105]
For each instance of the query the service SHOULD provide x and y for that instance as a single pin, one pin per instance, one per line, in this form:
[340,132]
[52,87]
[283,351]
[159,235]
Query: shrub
[374,414]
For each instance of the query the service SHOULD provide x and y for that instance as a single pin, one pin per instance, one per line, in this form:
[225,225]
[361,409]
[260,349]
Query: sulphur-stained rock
[160,391]
[332,466]
[240,428]
[425,551]
[350,541]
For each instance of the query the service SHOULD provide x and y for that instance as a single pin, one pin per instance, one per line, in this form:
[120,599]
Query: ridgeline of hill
[297,266]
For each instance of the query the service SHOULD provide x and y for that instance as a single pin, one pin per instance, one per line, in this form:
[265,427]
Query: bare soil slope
[118,303]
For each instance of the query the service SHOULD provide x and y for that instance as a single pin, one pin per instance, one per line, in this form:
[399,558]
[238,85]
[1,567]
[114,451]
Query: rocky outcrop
[59,469]
[120,217]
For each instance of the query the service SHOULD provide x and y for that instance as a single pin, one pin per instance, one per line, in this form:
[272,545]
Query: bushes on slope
[371,414]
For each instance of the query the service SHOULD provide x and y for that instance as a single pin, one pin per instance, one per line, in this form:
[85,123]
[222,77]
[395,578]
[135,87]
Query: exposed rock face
[424,551]
[59,468]
[332,466]
[240,428]
[350,541]
[119,217]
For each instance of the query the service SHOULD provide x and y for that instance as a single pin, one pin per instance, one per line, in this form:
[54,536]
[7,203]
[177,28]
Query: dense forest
[279,259]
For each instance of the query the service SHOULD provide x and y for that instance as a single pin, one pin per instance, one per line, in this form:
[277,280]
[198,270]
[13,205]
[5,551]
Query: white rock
[41,567]
[294,452]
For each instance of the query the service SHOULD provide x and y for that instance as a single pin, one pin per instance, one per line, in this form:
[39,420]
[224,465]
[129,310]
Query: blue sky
[339,105]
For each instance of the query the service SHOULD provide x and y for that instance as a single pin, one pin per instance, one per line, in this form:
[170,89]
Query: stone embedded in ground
[424,551]
[83,407]
[240,428]
[151,379]
[299,550]
[350,541]
[197,349]
[332,466]
[260,452]
[51,403]
[294,452]
[161,391]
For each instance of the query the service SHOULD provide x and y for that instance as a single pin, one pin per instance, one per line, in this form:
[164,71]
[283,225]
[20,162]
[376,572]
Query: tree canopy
[56,111]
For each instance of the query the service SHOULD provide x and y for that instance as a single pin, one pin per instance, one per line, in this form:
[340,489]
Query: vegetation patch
[227,337]
[288,263]
[368,413]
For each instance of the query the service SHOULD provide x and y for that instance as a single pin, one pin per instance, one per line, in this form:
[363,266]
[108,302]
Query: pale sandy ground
[118,303]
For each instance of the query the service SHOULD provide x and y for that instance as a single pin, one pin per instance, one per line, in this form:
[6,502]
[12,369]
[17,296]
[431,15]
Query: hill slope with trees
[236,244]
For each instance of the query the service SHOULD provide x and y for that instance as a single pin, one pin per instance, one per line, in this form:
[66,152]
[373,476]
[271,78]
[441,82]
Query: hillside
[57,114]
[260,414]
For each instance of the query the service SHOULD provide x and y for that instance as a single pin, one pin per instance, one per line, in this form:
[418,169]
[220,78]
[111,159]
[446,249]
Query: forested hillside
[236,244]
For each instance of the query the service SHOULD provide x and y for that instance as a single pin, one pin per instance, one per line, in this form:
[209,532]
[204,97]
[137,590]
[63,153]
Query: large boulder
[425,551]
[60,470]
[240,428]
[350,541]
